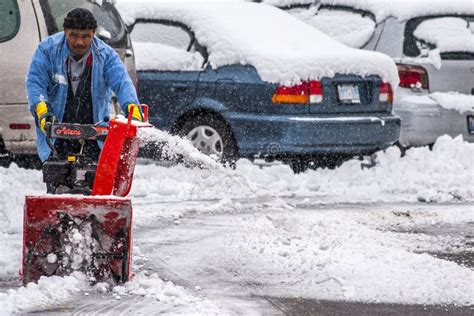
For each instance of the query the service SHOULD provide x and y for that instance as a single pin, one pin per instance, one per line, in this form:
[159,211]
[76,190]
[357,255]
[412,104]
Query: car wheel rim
[207,140]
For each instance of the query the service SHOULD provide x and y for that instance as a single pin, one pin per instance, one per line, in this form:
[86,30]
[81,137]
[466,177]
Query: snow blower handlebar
[77,132]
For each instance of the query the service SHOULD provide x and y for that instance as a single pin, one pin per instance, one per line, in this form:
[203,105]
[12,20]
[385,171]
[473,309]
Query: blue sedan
[235,109]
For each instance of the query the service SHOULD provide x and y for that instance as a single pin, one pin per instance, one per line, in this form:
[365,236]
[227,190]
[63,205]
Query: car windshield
[110,28]
[452,37]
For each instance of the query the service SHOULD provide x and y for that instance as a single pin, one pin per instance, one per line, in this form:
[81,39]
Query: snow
[167,294]
[348,28]
[45,294]
[422,175]
[456,101]
[285,3]
[462,103]
[449,34]
[334,254]
[51,292]
[286,52]
[404,10]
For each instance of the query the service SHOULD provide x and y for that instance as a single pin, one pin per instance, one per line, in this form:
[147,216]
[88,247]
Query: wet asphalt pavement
[296,306]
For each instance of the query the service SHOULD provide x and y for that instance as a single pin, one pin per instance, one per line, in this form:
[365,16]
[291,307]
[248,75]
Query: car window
[450,36]
[9,19]
[352,28]
[110,27]
[169,35]
[165,47]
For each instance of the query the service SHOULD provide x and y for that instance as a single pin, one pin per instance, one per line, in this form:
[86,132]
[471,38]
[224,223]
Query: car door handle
[179,88]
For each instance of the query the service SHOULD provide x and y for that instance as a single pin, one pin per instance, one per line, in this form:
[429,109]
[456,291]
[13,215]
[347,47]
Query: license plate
[470,124]
[348,93]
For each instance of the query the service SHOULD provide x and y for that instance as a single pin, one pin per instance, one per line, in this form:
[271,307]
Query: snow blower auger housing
[88,227]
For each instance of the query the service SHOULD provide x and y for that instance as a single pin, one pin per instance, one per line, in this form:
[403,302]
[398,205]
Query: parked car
[24,25]
[238,86]
[433,46]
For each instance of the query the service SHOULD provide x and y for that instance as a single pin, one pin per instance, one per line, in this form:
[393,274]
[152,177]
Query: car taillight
[414,77]
[19,126]
[306,92]
[386,92]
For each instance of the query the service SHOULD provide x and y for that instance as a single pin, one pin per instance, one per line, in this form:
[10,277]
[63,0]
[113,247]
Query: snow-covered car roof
[282,48]
[286,3]
[403,9]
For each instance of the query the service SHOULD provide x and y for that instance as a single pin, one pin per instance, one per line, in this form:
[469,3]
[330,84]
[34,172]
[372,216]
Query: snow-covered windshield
[286,51]
[447,34]
[403,9]
[350,28]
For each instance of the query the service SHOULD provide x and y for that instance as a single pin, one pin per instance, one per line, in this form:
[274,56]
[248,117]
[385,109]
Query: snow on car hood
[282,48]
[404,10]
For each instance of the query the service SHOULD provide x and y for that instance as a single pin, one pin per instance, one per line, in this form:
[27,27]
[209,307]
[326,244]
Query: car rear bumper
[263,135]
[422,124]
[20,140]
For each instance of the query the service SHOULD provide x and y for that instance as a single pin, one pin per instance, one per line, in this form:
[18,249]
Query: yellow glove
[137,113]
[44,115]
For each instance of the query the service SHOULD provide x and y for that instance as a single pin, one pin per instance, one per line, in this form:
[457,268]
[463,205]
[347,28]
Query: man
[71,79]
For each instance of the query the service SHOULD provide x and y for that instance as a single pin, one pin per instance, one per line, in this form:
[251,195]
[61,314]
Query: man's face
[79,41]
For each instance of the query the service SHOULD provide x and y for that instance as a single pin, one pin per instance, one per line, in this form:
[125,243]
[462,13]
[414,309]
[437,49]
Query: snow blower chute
[88,227]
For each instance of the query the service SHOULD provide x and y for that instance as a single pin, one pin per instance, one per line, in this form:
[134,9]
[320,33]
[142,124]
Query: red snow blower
[88,227]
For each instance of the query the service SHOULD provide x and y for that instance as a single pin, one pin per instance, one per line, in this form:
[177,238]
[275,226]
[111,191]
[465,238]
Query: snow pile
[330,255]
[441,175]
[460,102]
[170,297]
[285,52]
[16,183]
[348,28]
[404,10]
[54,291]
[286,3]
[454,101]
[48,293]
[152,56]
[448,34]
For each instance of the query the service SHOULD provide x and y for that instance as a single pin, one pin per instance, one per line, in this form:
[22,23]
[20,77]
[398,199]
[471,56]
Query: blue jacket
[47,81]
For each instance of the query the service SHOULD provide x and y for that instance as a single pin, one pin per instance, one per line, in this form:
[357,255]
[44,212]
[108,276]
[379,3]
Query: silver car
[23,25]
[434,53]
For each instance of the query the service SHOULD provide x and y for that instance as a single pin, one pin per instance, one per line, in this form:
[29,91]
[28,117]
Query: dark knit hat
[80,19]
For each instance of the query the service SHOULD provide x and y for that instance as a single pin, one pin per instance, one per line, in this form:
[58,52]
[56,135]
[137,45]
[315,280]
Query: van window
[9,19]
[110,27]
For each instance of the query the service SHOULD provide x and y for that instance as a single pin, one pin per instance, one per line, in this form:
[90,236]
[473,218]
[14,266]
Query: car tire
[212,136]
